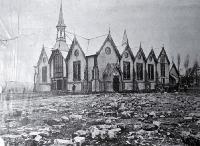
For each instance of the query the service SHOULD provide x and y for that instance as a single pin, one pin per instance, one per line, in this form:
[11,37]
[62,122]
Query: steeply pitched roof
[92,46]
[127,48]
[163,50]
[142,53]
[63,53]
[151,53]
[61,45]
[109,39]
[74,42]
[43,52]
[61,19]
[174,66]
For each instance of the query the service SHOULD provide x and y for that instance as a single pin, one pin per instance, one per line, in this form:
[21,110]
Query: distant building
[163,67]
[173,75]
[151,69]
[140,69]
[127,66]
[105,69]
[42,72]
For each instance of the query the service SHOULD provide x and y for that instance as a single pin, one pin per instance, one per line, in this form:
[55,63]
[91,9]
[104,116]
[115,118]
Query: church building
[69,69]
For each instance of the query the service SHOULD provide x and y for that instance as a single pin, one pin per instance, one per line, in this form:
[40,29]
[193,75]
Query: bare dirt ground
[150,119]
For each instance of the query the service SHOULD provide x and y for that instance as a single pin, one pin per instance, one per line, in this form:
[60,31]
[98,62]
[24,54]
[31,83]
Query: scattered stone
[79,140]
[52,122]
[2,143]
[75,117]
[65,119]
[162,116]
[94,131]
[149,127]
[197,115]
[153,114]
[80,133]
[113,133]
[157,123]
[38,138]
[126,114]
[63,142]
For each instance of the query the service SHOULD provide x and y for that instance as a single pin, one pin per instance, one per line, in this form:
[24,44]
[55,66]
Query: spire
[43,47]
[61,20]
[140,46]
[75,39]
[163,46]
[61,36]
[109,35]
[125,39]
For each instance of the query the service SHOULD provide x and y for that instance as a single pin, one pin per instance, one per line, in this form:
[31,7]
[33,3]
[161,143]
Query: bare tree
[186,63]
[178,62]
[195,67]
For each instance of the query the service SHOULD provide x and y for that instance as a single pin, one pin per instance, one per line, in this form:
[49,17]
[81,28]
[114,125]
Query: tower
[61,27]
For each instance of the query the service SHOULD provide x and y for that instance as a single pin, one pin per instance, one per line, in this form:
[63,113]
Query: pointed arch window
[58,65]
[162,68]
[139,67]
[162,59]
[126,70]
[150,71]
[44,74]
[77,70]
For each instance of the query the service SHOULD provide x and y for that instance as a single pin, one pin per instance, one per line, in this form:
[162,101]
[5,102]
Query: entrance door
[116,83]
[59,84]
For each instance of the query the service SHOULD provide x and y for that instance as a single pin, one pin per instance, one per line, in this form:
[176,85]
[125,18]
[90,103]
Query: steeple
[140,46]
[61,20]
[61,26]
[43,47]
[109,35]
[163,46]
[125,39]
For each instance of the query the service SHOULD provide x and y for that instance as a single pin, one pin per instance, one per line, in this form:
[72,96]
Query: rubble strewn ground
[150,119]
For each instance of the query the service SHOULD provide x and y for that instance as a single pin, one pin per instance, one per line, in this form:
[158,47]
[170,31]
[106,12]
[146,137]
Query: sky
[154,23]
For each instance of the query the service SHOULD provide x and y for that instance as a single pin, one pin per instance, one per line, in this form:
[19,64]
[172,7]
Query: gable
[75,50]
[107,54]
[163,54]
[43,58]
[152,57]
[54,52]
[112,45]
[140,55]
[127,53]
[173,72]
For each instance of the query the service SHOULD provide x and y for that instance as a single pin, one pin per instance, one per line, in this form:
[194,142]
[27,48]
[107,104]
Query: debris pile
[104,119]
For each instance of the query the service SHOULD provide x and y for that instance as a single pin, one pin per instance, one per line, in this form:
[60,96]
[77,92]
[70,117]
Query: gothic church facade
[69,69]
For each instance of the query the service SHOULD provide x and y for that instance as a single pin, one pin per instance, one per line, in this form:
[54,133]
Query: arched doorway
[116,83]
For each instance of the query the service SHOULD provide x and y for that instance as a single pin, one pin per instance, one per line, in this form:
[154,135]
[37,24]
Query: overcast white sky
[174,23]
